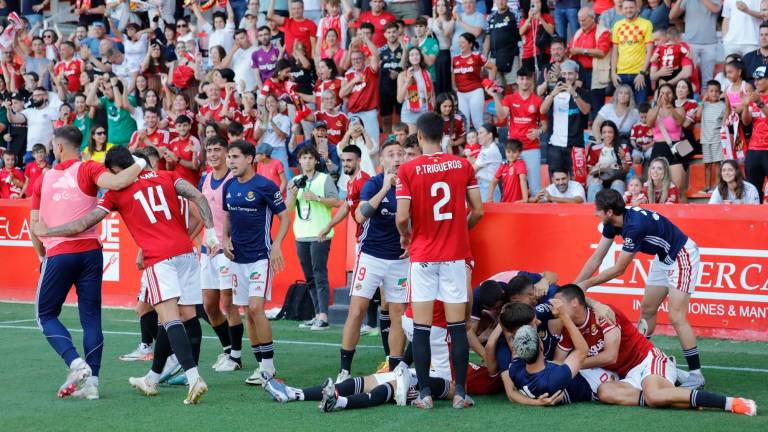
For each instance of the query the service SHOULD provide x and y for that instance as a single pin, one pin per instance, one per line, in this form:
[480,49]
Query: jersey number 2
[437,209]
[153,203]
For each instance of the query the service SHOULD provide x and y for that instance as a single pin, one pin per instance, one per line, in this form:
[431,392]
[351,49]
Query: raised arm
[271,15]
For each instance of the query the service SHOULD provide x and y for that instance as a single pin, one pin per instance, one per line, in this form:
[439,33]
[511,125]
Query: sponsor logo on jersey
[402,282]
[255,276]
[223,270]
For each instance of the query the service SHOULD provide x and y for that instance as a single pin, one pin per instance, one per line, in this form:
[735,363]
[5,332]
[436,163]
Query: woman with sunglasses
[97,145]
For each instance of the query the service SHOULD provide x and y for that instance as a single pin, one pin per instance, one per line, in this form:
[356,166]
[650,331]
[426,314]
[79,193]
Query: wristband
[141,162]
[210,238]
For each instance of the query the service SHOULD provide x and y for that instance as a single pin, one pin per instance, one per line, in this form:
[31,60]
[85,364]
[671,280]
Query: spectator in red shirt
[69,67]
[361,88]
[536,20]
[37,167]
[296,27]
[377,16]
[12,180]
[512,174]
[526,123]
[659,188]
[183,155]
[670,62]
[591,48]
[270,168]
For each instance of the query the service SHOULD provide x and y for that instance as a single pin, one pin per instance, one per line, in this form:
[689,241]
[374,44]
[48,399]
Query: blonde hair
[666,181]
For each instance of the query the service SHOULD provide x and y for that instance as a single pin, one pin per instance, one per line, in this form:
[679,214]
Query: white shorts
[216,272]
[655,363]
[371,272]
[251,280]
[682,275]
[445,281]
[176,277]
[597,376]
[383,378]
[438,343]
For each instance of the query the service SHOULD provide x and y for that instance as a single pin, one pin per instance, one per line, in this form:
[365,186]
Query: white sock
[192,375]
[341,402]
[76,363]
[153,376]
[235,354]
[728,403]
[294,393]
[92,380]
[695,371]
[268,364]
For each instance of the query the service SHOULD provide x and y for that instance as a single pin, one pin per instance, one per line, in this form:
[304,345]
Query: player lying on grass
[151,209]
[647,374]
[534,375]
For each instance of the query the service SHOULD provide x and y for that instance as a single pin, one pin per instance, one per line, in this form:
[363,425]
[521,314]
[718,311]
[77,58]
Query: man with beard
[561,190]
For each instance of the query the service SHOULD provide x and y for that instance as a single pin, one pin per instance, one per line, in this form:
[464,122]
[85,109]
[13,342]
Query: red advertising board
[731,298]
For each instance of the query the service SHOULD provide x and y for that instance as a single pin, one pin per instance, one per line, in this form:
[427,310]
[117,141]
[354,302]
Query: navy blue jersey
[251,206]
[477,309]
[551,379]
[380,238]
[648,232]
[544,315]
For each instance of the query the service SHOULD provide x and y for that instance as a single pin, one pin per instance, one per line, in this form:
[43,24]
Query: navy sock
[692,358]
[384,323]
[313,393]
[200,310]
[222,331]
[162,350]
[256,350]
[422,356]
[408,356]
[457,331]
[346,359]
[704,399]
[394,361]
[350,386]
[236,336]
[180,344]
[439,386]
[195,336]
[267,350]
[148,326]
[378,396]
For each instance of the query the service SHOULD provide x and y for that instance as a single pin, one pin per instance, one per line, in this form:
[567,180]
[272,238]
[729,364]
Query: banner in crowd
[731,298]
[21,267]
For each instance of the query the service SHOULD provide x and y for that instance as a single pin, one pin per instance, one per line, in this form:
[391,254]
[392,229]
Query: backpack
[298,303]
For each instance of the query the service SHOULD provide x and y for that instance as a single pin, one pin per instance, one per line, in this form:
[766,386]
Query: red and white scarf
[414,100]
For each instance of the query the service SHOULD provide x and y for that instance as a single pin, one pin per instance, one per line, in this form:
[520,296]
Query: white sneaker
[89,391]
[403,383]
[256,379]
[308,324]
[171,368]
[219,359]
[342,376]
[78,373]
[365,329]
[228,365]
[142,353]
[694,380]
[196,390]
[144,385]
[320,325]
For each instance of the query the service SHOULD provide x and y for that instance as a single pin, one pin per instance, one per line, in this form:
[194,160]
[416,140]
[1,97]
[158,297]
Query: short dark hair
[352,148]
[558,39]
[390,142]
[716,83]
[150,152]
[39,147]
[262,28]
[526,72]
[513,145]
[235,128]
[156,111]
[241,31]
[69,44]
[142,153]
[643,107]
[430,124]
[119,157]
[282,64]
[391,25]
[515,315]
[216,140]
[764,24]
[368,26]
[246,148]
[219,14]
[79,94]
[609,199]
[310,150]
[227,74]
[411,141]
[70,135]
[518,285]
[491,129]
[572,291]
[489,293]
[182,119]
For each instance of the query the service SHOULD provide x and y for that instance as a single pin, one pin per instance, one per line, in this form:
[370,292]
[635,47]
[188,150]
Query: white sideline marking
[17,321]
[123,333]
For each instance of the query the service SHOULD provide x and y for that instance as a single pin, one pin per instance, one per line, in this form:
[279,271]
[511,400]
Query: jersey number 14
[153,203]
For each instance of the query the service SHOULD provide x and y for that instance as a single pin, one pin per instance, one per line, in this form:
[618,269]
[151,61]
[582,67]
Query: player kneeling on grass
[648,375]
[250,201]
[151,211]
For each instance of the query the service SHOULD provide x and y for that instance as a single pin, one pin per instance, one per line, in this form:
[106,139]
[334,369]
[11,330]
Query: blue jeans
[640,95]
[595,186]
[57,275]
[239,7]
[566,19]
[34,19]
[532,159]
[483,186]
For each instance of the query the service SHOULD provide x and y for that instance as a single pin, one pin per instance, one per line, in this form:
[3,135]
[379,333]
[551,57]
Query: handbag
[681,148]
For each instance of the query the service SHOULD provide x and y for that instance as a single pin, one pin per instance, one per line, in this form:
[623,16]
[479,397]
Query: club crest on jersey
[255,276]
[531,108]
[593,330]
[250,196]
[358,286]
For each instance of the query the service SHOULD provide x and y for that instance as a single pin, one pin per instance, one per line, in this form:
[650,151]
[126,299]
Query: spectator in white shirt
[732,189]
[561,190]
[741,22]
[488,161]
[222,32]
[239,60]
[39,118]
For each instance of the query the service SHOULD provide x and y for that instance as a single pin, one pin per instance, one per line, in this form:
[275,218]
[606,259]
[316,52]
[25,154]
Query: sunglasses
[99,133]
[47,36]
[181,25]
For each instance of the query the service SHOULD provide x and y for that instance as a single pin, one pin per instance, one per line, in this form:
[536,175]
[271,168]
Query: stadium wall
[731,299]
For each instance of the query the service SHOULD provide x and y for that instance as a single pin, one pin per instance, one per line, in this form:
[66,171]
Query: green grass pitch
[32,373]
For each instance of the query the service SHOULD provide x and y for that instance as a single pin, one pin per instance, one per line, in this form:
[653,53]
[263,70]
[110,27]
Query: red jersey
[215,111]
[468,72]
[72,70]
[159,138]
[11,182]
[188,149]
[153,214]
[248,121]
[354,187]
[633,347]
[337,125]
[87,175]
[365,94]
[172,123]
[759,140]
[321,86]
[533,30]
[298,30]
[437,186]
[508,175]
[524,116]
[670,56]
[586,40]
[33,171]
[271,170]
[641,136]
[438,314]
[379,22]
[454,129]
[595,150]
[672,194]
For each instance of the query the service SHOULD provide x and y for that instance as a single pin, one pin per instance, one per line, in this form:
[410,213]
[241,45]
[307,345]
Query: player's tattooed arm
[72,228]
[186,190]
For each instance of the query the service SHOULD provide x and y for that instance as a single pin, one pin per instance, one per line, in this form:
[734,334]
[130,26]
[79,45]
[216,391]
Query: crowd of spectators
[622,94]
